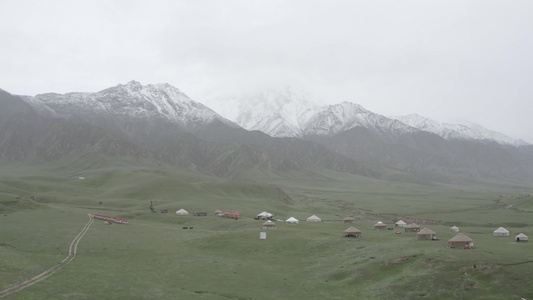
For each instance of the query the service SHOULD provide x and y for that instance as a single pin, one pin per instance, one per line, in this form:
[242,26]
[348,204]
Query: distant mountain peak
[464,131]
[132,100]
[285,113]
[276,112]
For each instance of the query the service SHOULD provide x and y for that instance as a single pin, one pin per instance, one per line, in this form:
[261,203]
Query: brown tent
[348,220]
[269,225]
[412,228]
[461,241]
[353,232]
[380,226]
[426,234]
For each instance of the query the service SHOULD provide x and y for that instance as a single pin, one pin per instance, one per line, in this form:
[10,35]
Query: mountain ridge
[335,118]
[344,137]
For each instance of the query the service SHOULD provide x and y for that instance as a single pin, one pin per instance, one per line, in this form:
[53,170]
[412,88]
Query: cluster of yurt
[380,226]
[314,218]
[182,212]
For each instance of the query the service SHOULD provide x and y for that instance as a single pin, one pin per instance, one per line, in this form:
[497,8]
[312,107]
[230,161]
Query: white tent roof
[292,220]
[454,227]
[314,218]
[264,214]
[401,222]
[182,212]
[521,235]
[501,230]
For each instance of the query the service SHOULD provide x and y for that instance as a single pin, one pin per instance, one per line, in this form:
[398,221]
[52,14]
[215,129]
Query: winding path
[71,255]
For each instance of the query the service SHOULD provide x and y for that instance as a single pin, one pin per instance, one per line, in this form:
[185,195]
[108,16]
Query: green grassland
[44,208]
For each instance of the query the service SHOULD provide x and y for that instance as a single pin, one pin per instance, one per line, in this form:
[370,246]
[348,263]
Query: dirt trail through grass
[71,255]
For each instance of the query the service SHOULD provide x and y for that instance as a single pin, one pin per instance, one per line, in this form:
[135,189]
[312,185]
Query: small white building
[182,212]
[454,229]
[501,232]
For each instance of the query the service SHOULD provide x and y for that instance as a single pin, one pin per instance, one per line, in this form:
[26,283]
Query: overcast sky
[445,60]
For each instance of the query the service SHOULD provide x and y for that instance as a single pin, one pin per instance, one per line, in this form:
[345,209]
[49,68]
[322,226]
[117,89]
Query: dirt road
[71,255]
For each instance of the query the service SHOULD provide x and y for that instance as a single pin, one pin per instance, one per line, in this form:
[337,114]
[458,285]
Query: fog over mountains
[276,132]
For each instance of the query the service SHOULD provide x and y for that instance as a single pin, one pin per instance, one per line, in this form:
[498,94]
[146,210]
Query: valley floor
[221,258]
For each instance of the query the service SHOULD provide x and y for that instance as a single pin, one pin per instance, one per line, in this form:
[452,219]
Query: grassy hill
[43,206]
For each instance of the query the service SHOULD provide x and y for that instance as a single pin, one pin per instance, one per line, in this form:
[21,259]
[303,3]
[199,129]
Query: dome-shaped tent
[400,223]
[501,232]
[426,234]
[521,237]
[352,232]
[460,241]
[412,228]
[292,220]
[380,226]
[348,220]
[314,218]
[268,225]
[182,212]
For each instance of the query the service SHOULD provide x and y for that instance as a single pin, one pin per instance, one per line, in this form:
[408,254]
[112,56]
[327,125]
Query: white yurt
[182,212]
[400,223]
[521,237]
[501,232]
[265,215]
[454,229]
[292,220]
[314,218]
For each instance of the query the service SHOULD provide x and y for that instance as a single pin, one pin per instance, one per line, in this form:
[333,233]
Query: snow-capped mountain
[132,100]
[288,114]
[448,131]
[276,113]
[337,118]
